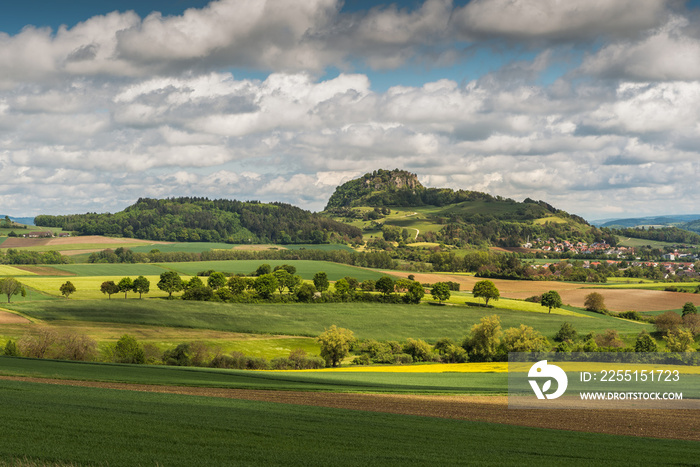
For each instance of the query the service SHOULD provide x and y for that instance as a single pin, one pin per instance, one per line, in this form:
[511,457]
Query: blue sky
[589,105]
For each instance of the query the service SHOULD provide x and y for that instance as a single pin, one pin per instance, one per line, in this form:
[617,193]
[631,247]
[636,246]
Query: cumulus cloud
[117,107]
[557,21]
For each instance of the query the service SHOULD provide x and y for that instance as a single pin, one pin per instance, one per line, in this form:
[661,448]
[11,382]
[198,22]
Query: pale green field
[554,219]
[460,298]
[88,287]
[13,271]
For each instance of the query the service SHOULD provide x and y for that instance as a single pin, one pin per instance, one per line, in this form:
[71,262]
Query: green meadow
[50,424]
[366,320]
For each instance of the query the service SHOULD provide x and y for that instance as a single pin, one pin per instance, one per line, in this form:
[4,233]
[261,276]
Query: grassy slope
[367,320]
[100,426]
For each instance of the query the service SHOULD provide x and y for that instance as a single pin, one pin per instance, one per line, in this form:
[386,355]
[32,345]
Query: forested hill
[383,188]
[396,188]
[201,219]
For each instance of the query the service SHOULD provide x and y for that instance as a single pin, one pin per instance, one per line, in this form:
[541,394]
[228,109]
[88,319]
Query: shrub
[128,350]
[11,349]
[202,293]
[566,333]
[645,343]
[689,309]
[595,302]
[630,315]
[667,322]
[418,349]
[679,340]
[361,360]
[611,338]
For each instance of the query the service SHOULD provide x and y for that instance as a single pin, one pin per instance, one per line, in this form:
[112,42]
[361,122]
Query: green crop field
[62,424]
[366,320]
[116,270]
[306,269]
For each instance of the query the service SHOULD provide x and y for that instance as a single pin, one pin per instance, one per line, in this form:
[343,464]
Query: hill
[657,221]
[201,219]
[394,201]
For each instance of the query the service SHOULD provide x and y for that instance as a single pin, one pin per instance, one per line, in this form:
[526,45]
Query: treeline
[663,234]
[202,220]
[13,256]
[367,259]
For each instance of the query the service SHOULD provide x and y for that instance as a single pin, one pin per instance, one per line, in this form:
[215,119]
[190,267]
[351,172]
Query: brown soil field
[633,299]
[98,239]
[673,424]
[571,294]
[19,242]
[10,318]
[45,270]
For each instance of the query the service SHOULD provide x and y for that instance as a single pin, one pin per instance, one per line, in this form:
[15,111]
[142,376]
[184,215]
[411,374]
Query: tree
[487,290]
[335,344]
[11,349]
[67,288]
[482,344]
[689,309]
[170,282]
[645,343]
[385,285]
[679,340]
[668,322]
[566,333]
[594,302]
[440,291]
[128,350]
[524,339]
[125,285]
[321,281]
[265,285]
[611,338]
[305,293]
[692,323]
[415,293]
[216,280]
[263,269]
[237,284]
[551,300]
[418,349]
[342,287]
[352,282]
[141,285]
[283,277]
[110,288]
[290,269]
[11,286]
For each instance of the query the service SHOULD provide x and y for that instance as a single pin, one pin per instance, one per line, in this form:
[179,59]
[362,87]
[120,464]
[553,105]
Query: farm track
[671,424]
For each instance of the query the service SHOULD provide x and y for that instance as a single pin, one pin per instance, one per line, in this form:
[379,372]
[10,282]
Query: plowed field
[674,424]
[572,294]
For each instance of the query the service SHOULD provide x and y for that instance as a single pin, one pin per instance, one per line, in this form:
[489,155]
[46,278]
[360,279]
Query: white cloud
[555,20]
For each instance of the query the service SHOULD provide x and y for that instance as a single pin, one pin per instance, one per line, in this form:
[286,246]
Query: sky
[590,105]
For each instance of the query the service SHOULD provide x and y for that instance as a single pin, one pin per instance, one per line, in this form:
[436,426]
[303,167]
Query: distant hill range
[19,220]
[689,222]
[201,219]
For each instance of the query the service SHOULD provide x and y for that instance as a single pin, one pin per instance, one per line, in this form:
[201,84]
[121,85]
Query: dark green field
[61,424]
[366,320]
[395,383]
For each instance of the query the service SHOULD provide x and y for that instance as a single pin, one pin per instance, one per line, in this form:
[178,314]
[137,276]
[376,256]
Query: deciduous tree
[487,290]
[125,285]
[11,286]
[440,291]
[170,282]
[141,285]
[551,300]
[67,288]
[109,288]
[335,344]
[321,281]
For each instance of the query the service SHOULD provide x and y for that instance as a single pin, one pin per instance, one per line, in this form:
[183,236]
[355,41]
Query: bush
[128,350]
[418,349]
[11,349]
[667,322]
[566,333]
[630,315]
[595,302]
[361,360]
[203,293]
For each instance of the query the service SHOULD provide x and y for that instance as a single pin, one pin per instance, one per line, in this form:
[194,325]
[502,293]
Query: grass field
[306,269]
[366,320]
[334,381]
[62,424]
